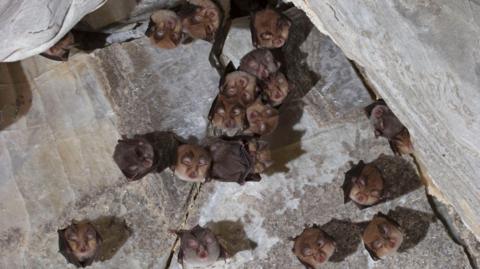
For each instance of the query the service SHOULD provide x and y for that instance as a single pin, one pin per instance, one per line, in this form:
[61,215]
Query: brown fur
[165,29]
[240,87]
[81,243]
[276,88]
[227,116]
[262,119]
[382,237]
[259,62]
[313,247]
[204,21]
[193,163]
[269,29]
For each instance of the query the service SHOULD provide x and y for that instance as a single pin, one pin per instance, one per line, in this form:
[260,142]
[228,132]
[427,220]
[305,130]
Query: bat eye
[384,229]
[221,111]
[192,243]
[321,242]
[247,96]
[307,251]
[253,64]
[269,112]
[361,181]
[187,161]
[266,36]
[375,193]
[202,161]
[211,13]
[242,82]
[280,80]
[377,244]
[133,167]
[236,111]
[254,114]
[209,239]
[263,127]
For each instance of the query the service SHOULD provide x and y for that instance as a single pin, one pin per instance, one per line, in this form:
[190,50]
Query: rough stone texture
[423,58]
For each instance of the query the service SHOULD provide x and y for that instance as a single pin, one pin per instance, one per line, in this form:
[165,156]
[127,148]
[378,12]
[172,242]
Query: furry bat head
[240,86]
[276,88]
[193,163]
[260,153]
[201,18]
[135,157]
[80,243]
[386,124]
[364,185]
[382,236]
[61,50]
[199,247]
[401,143]
[269,29]
[227,116]
[260,63]
[165,29]
[262,119]
[313,247]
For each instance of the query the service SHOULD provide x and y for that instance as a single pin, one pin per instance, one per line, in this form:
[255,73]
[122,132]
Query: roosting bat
[80,243]
[313,247]
[260,63]
[401,143]
[165,29]
[142,154]
[262,119]
[199,247]
[61,50]
[269,29]
[227,117]
[382,236]
[241,87]
[364,185]
[201,18]
[193,163]
[276,89]
[239,159]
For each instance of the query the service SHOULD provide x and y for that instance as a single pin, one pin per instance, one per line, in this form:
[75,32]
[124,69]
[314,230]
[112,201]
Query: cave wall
[422,57]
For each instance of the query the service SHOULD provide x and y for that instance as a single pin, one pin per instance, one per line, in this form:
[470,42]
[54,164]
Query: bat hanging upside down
[364,185]
[269,29]
[382,237]
[313,247]
[80,243]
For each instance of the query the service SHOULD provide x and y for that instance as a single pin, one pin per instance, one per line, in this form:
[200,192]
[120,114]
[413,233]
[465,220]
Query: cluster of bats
[245,109]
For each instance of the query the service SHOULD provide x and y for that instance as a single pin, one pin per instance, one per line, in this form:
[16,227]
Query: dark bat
[80,243]
[401,143]
[313,247]
[260,152]
[262,119]
[193,163]
[199,247]
[142,154]
[227,117]
[276,89]
[269,29]
[260,63]
[240,87]
[364,185]
[201,19]
[382,236]
[165,29]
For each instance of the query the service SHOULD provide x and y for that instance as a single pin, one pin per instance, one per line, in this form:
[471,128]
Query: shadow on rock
[232,236]
[346,235]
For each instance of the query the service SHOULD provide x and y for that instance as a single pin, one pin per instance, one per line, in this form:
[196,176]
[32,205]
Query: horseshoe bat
[382,236]
[269,29]
[262,119]
[364,185]
[276,88]
[313,247]
[193,163]
[80,244]
[227,116]
[259,62]
[165,29]
[201,19]
[241,87]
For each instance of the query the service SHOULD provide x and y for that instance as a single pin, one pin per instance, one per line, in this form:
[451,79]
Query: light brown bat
[259,62]
[313,247]
[262,119]
[382,237]
[60,51]
[276,88]
[201,19]
[165,29]
[80,243]
[269,29]
[401,143]
[241,87]
[364,184]
[193,163]
[261,154]
[227,116]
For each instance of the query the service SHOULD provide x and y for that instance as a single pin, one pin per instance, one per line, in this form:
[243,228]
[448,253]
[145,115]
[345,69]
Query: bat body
[240,87]
[313,247]
[165,29]
[82,40]
[199,247]
[269,29]
[259,62]
[276,88]
[364,185]
[382,237]
[142,154]
[227,116]
[80,243]
[193,163]
[262,118]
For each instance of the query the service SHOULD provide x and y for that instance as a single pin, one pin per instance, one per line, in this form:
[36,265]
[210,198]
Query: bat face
[165,29]
[199,247]
[276,88]
[270,29]
[83,241]
[386,124]
[367,188]
[261,153]
[228,116]
[260,63]
[203,23]
[193,163]
[135,157]
[262,119]
[61,49]
[402,143]
[240,86]
[313,247]
[382,237]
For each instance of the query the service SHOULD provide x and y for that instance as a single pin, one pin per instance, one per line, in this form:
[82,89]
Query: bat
[238,159]
[269,29]
[61,49]
[262,119]
[142,154]
[240,87]
[313,247]
[193,163]
[80,243]
[401,143]
[199,247]
[382,236]
[227,117]
[201,19]
[276,89]
[165,29]
[364,185]
[259,62]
